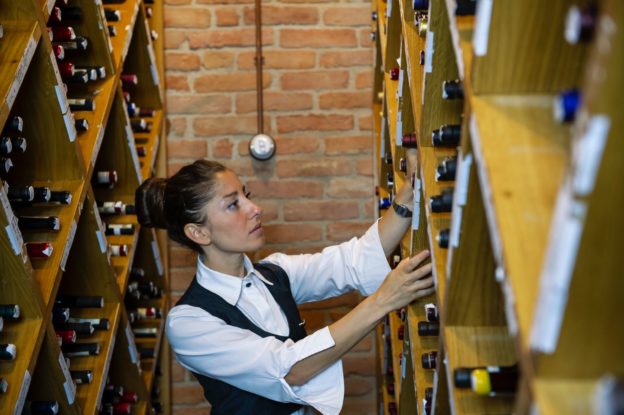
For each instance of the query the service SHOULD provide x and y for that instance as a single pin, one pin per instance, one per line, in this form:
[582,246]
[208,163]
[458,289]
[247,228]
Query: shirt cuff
[375,265]
[325,391]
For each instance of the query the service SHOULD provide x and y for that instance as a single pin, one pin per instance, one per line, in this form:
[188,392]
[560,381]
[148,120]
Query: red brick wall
[317,190]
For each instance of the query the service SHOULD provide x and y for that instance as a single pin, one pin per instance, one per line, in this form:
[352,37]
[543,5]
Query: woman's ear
[197,233]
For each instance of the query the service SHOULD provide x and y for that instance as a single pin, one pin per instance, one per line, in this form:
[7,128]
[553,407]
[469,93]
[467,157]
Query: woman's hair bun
[149,200]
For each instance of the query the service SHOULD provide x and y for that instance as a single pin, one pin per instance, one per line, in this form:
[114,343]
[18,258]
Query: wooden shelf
[565,396]
[520,175]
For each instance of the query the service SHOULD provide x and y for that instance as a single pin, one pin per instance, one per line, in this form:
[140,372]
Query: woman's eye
[233,205]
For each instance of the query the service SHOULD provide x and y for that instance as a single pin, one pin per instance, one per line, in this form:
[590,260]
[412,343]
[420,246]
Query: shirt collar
[227,286]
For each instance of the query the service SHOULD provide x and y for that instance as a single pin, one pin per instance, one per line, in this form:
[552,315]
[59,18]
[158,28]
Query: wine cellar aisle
[84,288]
[515,113]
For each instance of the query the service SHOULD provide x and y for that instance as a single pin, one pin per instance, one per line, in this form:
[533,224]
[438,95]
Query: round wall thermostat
[262,147]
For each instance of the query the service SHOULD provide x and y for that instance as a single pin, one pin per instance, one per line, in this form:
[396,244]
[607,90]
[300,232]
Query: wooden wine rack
[532,274]
[61,158]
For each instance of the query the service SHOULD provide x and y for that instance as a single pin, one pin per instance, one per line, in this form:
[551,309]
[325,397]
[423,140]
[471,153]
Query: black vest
[225,398]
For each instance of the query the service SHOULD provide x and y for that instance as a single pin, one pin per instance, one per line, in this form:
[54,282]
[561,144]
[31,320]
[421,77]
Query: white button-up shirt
[207,345]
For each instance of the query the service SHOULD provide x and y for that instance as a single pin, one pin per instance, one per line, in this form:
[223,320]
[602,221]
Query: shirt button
[248,285]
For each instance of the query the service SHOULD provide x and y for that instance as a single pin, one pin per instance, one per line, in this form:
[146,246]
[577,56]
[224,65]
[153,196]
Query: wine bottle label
[108,177]
[145,331]
[111,208]
[10,311]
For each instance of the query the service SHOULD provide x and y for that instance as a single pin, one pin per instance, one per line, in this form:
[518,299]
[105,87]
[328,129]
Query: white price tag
[70,126]
[21,398]
[399,128]
[429,52]
[132,350]
[482,27]
[12,229]
[62,98]
[101,241]
[98,144]
[68,385]
[399,93]
[157,259]
[150,52]
[417,198]
[403,366]
[68,245]
[565,236]
[587,153]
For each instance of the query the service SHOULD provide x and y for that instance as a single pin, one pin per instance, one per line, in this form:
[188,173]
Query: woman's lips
[257,228]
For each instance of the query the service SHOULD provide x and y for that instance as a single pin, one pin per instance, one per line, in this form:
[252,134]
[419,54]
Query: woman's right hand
[406,283]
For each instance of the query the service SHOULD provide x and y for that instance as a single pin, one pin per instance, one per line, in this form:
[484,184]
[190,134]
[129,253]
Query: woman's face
[234,221]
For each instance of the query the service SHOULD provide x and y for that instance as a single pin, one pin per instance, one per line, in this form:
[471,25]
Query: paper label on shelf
[416,212]
[68,245]
[70,126]
[389,9]
[152,56]
[463,174]
[68,385]
[62,99]
[154,74]
[133,152]
[399,92]
[12,229]
[587,153]
[21,398]
[102,241]
[429,52]
[157,259]
[132,350]
[456,219]
[98,144]
[565,237]
[482,27]
[403,366]
[21,72]
[399,128]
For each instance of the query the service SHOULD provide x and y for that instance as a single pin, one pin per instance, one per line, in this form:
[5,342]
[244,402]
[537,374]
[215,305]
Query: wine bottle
[42,194]
[488,380]
[428,360]
[8,351]
[81,124]
[390,388]
[81,104]
[72,13]
[80,43]
[4,385]
[580,24]
[39,223]
[55,16]
[6,146]
[97,323]
[443,238]
[148,12]
[62,197]
[115,208]
[112,15]
[394,73]
[442,202]
[81,377]
[21,193]
[106,178]
[1,324]
[62,33]
[145,331]
[5,166]
[113,1]
[67,336]
[401,332]
[129,79]
[446,169]
[423,24]
[566,105]
[141,150]
[112,31]
[446,136]
[40,408]
[82,329]
[119,250]
[426,328]
[81,349]
[73,301]
[147,112]
[119,229]
[390,180]
[14,125]
[409,141]
[137,272]
[147,353]
[39,250]
[19,145]
[130,397]
[420,5]
[121,408]
[431,313]
[465,7]
[452,90]
[10,311]
[384,203]
[60,314]
[59,52]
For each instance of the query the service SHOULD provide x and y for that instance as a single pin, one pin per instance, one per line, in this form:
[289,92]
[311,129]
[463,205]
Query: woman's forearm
[346,332]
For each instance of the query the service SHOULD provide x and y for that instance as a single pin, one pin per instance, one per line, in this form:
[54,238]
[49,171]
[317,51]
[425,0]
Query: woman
[237,328]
